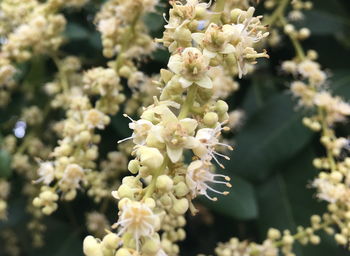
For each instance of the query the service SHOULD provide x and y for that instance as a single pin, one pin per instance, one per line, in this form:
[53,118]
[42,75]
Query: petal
[208,54]
[205,82]
[228,49]
[189,124]
[191,142]
[175,63]
[185,83]
[198,37]
[174,153]
[166,114]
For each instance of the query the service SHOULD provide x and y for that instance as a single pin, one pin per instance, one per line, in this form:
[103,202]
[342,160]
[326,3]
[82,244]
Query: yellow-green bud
[237,13]
[221,107]
[315,239]
[123,252]
[125,71]
[150,157]
[151,246]
[181,189]
[273,234]
[166,200]
[110,241]
[124,191]
[91,247]
[210,119]
[181,206]
[164,183]
[182,34]
[166,75]
[134,166]
[340,239]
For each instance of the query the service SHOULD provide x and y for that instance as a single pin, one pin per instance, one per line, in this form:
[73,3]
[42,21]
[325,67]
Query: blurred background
[271,167]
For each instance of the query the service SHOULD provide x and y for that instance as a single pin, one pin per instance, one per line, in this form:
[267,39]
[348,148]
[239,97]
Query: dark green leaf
[270,137]
[75,31]
[5,163]
[286,201]
[239,204]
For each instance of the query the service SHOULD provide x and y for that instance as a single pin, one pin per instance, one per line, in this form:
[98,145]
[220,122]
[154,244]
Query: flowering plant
[133,121]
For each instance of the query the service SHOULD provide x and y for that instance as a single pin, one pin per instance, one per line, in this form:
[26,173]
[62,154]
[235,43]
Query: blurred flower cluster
[177,116]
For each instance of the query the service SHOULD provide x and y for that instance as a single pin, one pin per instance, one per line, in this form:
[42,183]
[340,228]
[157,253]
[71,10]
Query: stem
[150,188]
[219,7]
[61,74]
[126,41]
[326,132]
[302,234]
[186,107]
[279,11]
[299,51]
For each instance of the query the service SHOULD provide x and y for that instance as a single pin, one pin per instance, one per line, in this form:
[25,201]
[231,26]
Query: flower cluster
[325,110]
[186,119]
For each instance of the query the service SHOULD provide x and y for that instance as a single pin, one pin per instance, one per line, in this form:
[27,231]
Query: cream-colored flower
[176,134]
[46,172]
[72,176]
[330,192]
[192,66]
[137,219]
[214,41]
[199,177]
[141,130]
[95,119]
[207,141]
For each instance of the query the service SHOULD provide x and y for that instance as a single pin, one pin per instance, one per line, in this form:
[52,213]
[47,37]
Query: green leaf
[120,124]
[286,201]
[271,136]
[239,204]
[330,24]
[5,164]
[340,83]
[154,22]
[74,31]
[61,239]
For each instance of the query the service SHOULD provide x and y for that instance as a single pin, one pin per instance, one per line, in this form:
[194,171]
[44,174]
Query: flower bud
[91,247]
[123,252]
[210,119]
[181,189]
[110,241]
[221,107]
[164,183]
[181,206]
[166,75]
[151,246]
[125,71]
[124,191]
[134,166]
[150,157]
[340,239]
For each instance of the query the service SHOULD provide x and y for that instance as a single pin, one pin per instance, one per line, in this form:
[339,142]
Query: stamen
[127,116]
[164,17]
[128,138]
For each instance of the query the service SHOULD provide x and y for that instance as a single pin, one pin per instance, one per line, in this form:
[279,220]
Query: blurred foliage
[270,167]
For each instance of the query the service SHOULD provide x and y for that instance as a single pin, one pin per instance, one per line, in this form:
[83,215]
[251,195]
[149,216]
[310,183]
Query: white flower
[175,133]
[207,141]
[95,119]
[330,192]
[72,176]
[199,175]
[46,172]
[141,129]
[213,41]
[137,219]
[192,66]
